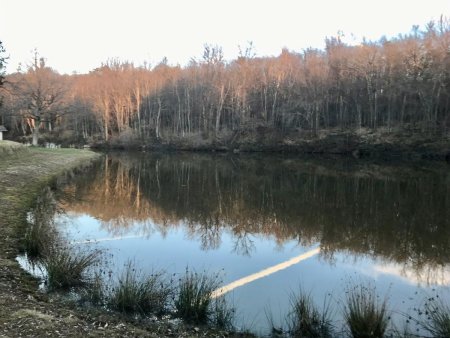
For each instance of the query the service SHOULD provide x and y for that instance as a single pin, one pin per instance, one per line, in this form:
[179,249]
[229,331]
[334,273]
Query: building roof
[2,128]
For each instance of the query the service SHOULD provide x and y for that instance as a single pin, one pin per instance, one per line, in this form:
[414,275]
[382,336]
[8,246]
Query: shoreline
[365,144]
[26,311]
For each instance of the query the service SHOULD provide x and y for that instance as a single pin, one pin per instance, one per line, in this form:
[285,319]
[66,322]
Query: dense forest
[386,86]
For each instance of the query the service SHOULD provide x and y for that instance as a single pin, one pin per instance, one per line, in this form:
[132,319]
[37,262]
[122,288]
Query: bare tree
[39,97]
[396,83]
[3,59]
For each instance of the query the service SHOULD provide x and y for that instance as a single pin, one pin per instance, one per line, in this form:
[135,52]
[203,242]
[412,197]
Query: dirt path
[26,312]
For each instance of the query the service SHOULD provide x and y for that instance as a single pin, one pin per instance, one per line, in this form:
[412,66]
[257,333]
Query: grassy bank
[24,310]
[23,173]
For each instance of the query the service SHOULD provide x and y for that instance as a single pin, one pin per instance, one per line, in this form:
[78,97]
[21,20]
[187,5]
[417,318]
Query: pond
[270,225]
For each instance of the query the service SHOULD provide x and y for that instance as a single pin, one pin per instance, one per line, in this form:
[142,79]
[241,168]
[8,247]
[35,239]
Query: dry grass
[10,148]
[22,177]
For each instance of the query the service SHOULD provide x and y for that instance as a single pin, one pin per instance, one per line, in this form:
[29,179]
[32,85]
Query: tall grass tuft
[136,293]
[194,296]
[365,315]
[66,268]
[222,314]
[438,318]
[306,320]
[95,290]
[40,232]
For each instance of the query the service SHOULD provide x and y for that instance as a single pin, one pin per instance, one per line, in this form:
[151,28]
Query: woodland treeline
[388,84]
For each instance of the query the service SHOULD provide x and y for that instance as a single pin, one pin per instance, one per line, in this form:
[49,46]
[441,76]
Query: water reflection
[40,232]
[395,213]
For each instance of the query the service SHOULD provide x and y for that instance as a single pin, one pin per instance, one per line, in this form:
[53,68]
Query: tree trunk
[35,141]
[188,110]
[106,129]
[158,118]
[402,111]
[219,109]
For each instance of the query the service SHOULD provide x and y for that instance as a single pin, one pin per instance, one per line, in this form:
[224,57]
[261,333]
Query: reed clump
[364,313]
[193,299]
[139,293]
[306,320]
[66,268]
[437,322]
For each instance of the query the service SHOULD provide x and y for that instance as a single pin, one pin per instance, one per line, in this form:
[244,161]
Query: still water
[270,225]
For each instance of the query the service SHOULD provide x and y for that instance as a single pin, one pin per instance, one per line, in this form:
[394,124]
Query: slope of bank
[25,311]
[404,143]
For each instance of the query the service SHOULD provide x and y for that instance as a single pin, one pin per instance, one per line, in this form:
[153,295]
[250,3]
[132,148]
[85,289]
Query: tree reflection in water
[396,213]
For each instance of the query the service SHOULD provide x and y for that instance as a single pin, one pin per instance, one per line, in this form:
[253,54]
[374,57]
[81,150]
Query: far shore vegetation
[389,96]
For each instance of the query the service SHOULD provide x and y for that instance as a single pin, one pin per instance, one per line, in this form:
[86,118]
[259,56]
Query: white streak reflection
[107,239]
[264,273]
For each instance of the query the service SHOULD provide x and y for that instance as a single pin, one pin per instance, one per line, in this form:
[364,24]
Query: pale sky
[80,35]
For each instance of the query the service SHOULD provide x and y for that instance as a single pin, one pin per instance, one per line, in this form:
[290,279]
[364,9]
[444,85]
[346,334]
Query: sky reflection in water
[241,215]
